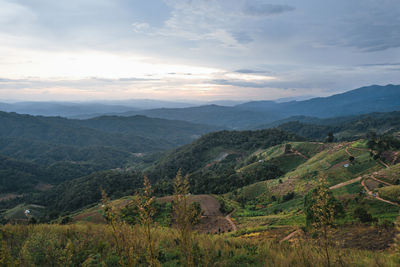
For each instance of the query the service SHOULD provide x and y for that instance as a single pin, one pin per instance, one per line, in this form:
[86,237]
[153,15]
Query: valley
[254,189]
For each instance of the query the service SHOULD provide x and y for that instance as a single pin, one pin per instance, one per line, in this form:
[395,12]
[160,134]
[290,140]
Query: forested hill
[19,176]
[225,147]
[175,132]
[136,134]
[343,128]
[50,150]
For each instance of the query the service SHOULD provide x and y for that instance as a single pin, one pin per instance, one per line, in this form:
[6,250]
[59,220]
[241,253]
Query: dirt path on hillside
[396,157]
[212,221]
[376,196]
[352,181]
[300,154]
[9,196]
[383,163]
[360,149]
[228,218]
[347,151]
[291,235]
[380,181]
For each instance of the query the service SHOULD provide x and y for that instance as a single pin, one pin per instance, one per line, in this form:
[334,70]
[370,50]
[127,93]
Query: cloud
[250,71]
[140,27]
[242,37]
[99,82]
[312,45]
[380,64]
[263,9]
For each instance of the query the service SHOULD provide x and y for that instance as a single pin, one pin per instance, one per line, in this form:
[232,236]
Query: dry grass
[92,245]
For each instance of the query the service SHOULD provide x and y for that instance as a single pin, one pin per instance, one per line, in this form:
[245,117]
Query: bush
[362,214]
[288,196]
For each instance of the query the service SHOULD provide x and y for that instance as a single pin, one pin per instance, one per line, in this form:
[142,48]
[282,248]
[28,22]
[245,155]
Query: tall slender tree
[144,203]
[182,216]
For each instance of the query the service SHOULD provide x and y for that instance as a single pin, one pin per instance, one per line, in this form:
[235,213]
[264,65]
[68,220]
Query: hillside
[38,152]
[176,132]
[273,209]
[344,128]
[267,205]
[210,160]
[19,176]
[263,180]
[79,188]
[130,133]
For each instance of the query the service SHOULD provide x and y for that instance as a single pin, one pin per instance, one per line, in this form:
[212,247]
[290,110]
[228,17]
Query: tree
[144,203]
[288,148]
[195,213]
[5,256]
[181,209]
[321,209]
[362,214]
[330,138]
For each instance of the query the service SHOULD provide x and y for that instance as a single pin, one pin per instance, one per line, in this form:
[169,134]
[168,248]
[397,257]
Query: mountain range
[363,100]
[226,114]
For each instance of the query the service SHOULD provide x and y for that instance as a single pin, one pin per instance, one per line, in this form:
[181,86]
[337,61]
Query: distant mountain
[173,131]
[369,99]
[64,109]
[149,103]
[227,117]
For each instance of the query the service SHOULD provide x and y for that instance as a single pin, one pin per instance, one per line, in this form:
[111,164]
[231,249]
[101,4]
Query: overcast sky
[195,49]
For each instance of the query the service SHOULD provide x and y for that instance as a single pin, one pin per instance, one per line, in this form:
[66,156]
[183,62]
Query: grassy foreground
[101,245]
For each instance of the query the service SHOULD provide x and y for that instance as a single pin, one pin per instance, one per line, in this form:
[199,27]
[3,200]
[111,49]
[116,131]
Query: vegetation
[279,201]
[342,128]
[86,245]
[51,150]
[390,192]
[210,161]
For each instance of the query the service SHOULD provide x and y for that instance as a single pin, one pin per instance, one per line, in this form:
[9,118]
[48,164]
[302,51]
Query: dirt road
[352,181]
[380,181]
[291,235]
[233,225]
[376,196]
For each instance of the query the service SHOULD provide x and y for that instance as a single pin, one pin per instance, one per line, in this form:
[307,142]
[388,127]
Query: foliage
[320,206]
[52,150]
[146,210]
[81,192]
[184,216]
[82,245]
[362,214]
[390,192]
[323,210]
[343,128]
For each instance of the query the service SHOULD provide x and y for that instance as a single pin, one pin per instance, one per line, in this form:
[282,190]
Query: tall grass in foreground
[94,245]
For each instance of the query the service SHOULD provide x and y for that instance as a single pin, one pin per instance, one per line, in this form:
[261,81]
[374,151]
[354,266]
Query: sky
[70,50]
